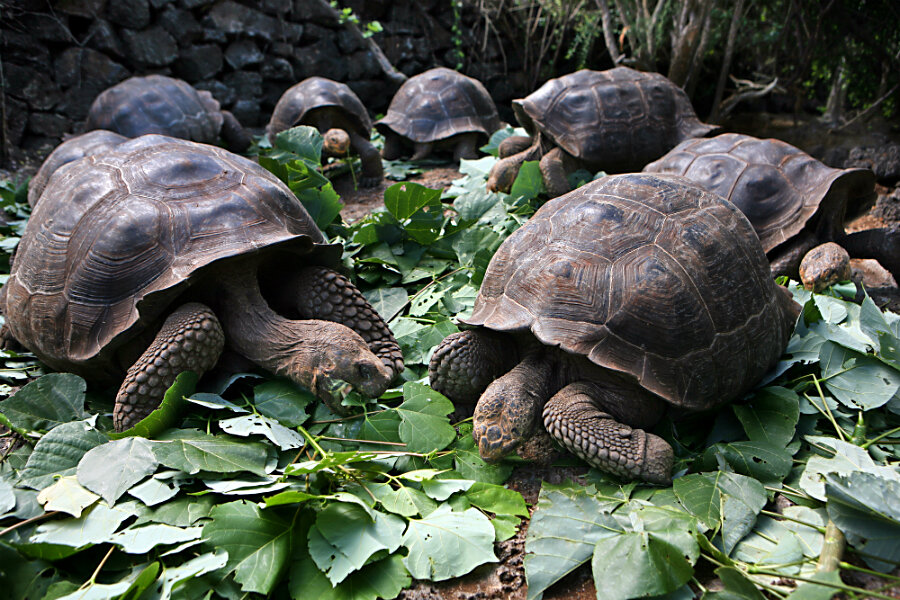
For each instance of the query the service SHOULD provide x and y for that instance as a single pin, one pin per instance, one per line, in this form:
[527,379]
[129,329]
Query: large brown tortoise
[148,258]
[615,121]
[630,293]
[338,114]
[793,201]
[437,110]
[167,106]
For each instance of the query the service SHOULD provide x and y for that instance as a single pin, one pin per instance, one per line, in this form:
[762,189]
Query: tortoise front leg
[466,147]
[370,159]
[421,150]
[320,293]
[234,134]
[466,362]
[393,146]
[513,145]
[191,339]
[575,417]
[553,171]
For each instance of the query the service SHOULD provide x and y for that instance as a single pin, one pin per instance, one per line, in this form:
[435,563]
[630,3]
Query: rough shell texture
[438,104]
[313,93]
[779,187]
[157,104]
[117,236]
[619,119]
[86,144]
[646,275]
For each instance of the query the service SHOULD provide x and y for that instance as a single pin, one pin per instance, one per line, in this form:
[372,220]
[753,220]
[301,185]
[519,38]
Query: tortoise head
[505,416]
[503,174]
[336,142]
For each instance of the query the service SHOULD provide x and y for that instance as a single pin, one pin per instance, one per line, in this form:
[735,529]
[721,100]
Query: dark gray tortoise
[338,114]
[630,293]
[167,106]
[79,146]
[793,201]
[439,109]
[615,121]
[147,259]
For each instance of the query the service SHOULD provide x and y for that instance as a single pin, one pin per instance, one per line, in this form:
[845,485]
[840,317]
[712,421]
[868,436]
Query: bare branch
[609,38]
[746,90]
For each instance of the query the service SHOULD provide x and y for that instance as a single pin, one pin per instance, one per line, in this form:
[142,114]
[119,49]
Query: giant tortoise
[436,110]
[146,259]
[615,121]
[631,293]
[168,106]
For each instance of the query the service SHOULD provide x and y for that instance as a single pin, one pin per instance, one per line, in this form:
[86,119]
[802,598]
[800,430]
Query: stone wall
[57,55]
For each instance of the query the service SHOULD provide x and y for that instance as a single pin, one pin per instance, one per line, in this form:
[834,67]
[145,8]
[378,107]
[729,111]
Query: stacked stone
[57,56]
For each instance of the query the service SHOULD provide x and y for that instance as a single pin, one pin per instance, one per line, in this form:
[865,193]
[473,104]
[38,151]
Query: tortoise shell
[648,275]
[118,236]
[439,104]
[780,188]
[157,104]
[86,144]
[314,93]
[619,119]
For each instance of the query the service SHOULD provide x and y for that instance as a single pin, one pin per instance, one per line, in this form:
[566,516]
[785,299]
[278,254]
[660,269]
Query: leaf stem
[52,513]
[832,549]
[875,440]
[849,567]
[339,439]
[837,586]
[93,577]
[312,441]
[776,515]
[837,428]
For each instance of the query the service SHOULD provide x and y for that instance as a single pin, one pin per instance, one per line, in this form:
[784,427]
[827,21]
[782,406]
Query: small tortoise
[615,121]
[86,144]
[793,201]
[168,106]
[333,109]
[148,258]
[632,292]
[438,109]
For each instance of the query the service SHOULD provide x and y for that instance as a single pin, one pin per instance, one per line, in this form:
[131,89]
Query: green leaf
[636,564]
[46,402]
[387,302]
[58,453]
[95,526]
[154,491]
[441,489]
[140,540]
[766,462]
[278,434]
[304,141]
[500,135]
[191,451]
[112,468]
[771,416]
[497,499]
[169,411]
[381,579]
[722,500]
[258,544]
[447,544]
[351,537]
[813,591]
[24,579]
[283,401]
[848,458]
[505,526]
[7,497]
[172,578]
[406,501]
[66,495]
[858,382]
[424,424]
[737,586]
[866,508]
[180,512]
[323,205]
[529,182]
[468,463]
[563,532]
[771,543]
[405,199]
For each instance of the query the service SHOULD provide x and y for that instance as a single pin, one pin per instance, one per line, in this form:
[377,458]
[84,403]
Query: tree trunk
[834,107]
[608,36]
[726,60]
[685,38]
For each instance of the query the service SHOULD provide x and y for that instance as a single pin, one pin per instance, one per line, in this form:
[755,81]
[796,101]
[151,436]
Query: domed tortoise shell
[438,104]
[318,92]
[648,275]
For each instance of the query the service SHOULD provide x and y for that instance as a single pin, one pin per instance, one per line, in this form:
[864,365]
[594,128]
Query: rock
[316,59]
[362,65]
[214,36]
[192,4]
[16,120]
[31,85]
[246,84]
[199,62]
[375,93]
[314,33]
[234,18]
[83,73]
[157,4]
[887,207]
[101,36]
[871,274]
[243,53]
[221,92]
[276,7]
[181,25]
[348,41]
[153,46]
[247,112]
[48,124]
[81,8]
[315,12]
[884,160]
[23,49]
[51,28]
[277,68]
[134,14]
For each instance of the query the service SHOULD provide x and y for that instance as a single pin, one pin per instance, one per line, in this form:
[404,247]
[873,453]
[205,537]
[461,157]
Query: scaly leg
[372,170]
[191,339]
[466,362]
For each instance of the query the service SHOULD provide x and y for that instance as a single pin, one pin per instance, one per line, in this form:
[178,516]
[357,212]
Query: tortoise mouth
[493,443]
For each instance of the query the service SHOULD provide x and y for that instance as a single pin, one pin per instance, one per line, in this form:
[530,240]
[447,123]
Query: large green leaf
[858,382]
[46,402]
[275,432]
[111,469]
[424,425]
[770,417]
[173,577]
[737,586]
[529,182]
[764,461]
[380,579]
[66,495]
[405,199]
[562,534]
[283,401]
[497,499]
[191,451]
[323,205]
[95,526]
[140,540]
[387,302]
[23,579]
[58,453]
[258,542]
[168,413]
[721,500]
[848,458]
[303,141]
[447,544]
[866,508]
